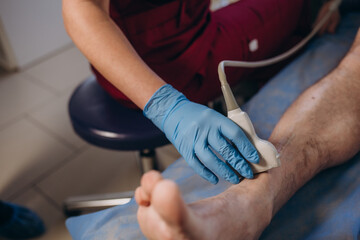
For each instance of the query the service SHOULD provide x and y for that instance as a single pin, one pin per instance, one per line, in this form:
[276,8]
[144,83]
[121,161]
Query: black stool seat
[102,121]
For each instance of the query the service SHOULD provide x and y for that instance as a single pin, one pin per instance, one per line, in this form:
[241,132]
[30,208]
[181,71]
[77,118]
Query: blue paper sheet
[327,207]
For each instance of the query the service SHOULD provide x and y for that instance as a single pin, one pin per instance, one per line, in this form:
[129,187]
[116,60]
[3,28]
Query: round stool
[102,121]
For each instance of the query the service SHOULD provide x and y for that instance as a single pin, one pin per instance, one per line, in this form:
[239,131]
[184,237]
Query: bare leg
[321,129]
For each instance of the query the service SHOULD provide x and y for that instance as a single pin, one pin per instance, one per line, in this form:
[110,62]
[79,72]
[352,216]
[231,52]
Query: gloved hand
[195,130]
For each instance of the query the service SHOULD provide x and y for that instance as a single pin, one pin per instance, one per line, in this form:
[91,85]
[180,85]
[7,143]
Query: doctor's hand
[197,131]
[331,24]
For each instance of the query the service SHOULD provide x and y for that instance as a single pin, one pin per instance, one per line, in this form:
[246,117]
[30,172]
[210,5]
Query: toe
[141,197]
[167,201]
[148,182]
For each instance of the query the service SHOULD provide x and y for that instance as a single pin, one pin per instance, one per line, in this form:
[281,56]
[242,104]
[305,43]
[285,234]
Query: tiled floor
[42,161]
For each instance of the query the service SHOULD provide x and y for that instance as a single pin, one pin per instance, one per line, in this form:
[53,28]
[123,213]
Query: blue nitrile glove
[194,129]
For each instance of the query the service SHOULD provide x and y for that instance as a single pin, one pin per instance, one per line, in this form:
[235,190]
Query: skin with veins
[320,129]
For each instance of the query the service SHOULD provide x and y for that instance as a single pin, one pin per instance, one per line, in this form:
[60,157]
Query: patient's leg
[320,129]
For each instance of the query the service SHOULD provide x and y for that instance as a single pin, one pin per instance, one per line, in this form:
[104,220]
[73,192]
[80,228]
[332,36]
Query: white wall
[34,28]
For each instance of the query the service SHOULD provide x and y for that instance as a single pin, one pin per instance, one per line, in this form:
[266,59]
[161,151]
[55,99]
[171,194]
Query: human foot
[237,213]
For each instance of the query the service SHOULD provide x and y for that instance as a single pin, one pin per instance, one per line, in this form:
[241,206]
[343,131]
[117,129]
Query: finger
[242,167]
[200,169]
[212,162]
[232,156]
[222,146]
[235,134]
[323,28]
[321,14]
[334,21]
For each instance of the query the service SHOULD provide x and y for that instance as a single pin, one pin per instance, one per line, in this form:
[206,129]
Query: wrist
[161,103]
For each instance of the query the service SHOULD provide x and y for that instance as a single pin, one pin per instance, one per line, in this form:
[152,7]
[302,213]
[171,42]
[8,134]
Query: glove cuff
[161,104]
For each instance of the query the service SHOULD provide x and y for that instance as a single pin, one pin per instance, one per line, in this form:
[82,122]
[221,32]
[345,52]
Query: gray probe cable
[230,101]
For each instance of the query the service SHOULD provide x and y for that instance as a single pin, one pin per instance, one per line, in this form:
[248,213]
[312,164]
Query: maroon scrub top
[183,41]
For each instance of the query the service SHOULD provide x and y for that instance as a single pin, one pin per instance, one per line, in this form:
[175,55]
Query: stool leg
[74,205]
[147,160]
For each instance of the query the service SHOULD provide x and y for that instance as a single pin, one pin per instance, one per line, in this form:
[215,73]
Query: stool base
[75,205]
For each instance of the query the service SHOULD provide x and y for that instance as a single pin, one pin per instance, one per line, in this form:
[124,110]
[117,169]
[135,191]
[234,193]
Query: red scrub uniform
[183,41]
